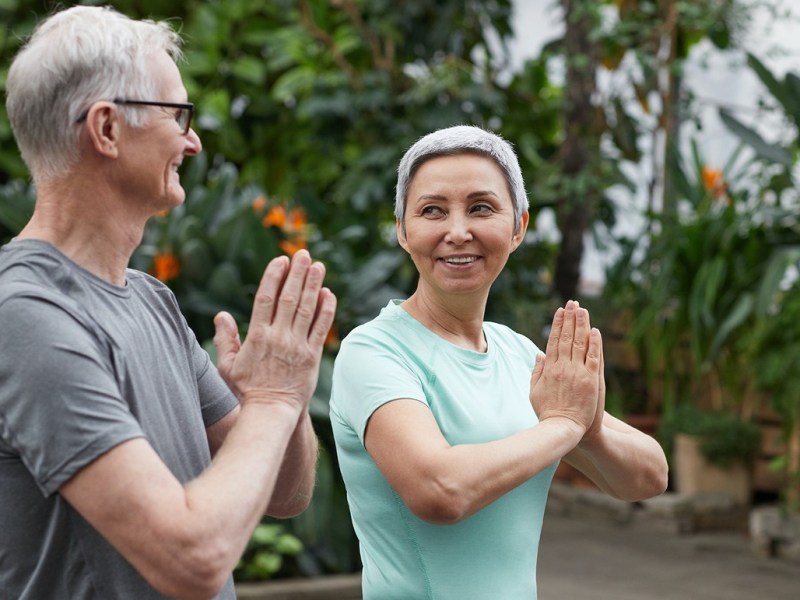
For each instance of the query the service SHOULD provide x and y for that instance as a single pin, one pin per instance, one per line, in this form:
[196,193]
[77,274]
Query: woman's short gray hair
[75,58]
[461,139]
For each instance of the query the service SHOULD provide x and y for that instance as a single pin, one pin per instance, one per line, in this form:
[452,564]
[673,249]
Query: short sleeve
[367,374]
[216,398]
[60,405]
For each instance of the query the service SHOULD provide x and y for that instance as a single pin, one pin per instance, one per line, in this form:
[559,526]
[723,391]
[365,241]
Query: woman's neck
[458,322]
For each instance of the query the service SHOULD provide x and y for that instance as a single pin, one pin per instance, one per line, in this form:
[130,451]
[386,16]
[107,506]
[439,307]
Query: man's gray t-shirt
[84,366]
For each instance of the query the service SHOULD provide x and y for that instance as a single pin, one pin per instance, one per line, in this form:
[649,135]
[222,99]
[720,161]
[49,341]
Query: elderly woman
[449,428]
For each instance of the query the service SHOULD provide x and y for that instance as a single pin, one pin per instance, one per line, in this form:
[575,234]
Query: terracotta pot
[694,474]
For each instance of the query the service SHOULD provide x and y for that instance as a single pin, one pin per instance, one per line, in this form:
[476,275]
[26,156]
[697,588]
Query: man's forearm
[243,476]
[297,474]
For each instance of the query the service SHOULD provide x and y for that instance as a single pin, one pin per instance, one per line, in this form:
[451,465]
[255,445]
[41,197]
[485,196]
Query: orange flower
[292,246]
[162,213]
[276,217]
[332,339]
[166,266]
[297,219]
[259,204]
[714,182]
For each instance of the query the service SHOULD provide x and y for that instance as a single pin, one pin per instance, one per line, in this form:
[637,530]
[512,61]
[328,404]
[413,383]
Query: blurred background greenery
[305,107]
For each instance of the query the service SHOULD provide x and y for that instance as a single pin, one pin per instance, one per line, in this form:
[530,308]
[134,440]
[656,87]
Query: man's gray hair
[73,59]
[461,139]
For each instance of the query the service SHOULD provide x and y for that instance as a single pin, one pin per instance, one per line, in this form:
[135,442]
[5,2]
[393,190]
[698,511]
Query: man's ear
[519,235]
[103,128]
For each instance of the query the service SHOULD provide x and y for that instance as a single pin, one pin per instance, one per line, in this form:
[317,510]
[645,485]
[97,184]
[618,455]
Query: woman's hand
[568,381]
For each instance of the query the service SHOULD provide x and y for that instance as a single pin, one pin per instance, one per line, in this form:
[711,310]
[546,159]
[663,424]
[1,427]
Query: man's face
[152,154]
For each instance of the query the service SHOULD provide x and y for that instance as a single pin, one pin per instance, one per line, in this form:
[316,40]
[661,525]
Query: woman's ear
[401,234]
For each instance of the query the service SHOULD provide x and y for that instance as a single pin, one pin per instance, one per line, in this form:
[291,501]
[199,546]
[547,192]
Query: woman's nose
[458,231]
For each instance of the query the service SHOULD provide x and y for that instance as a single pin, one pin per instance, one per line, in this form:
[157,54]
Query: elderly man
[110,411]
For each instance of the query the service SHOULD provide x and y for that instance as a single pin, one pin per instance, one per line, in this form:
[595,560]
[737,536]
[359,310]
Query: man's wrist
[273,408]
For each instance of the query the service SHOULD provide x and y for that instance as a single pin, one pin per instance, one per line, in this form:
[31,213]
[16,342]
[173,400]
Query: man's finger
[310,299]
[268,290]
[226,338]
[326,310]
[292,290]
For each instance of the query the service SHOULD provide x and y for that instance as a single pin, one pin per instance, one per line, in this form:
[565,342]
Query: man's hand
[279,359]
[566,382]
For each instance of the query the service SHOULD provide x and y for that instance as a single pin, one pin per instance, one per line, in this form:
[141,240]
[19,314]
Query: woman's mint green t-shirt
[475,397]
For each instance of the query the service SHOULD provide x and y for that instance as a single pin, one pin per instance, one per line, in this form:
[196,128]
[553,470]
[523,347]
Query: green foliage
[266,553]
[215,243]
[724,438]
[309,104]
[776,354]
[16,207]
[316,102]
[697,288]
[773,344]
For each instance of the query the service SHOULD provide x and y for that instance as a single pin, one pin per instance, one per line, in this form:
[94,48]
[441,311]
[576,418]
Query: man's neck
[92,231]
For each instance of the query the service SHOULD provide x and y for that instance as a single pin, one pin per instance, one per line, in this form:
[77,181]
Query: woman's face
[459,224]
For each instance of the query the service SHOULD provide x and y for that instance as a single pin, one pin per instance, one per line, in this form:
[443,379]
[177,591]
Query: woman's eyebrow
[482,193]
[437,197]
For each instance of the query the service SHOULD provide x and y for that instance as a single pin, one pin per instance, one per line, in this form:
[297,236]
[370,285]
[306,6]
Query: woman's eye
[482,209]
[431,211]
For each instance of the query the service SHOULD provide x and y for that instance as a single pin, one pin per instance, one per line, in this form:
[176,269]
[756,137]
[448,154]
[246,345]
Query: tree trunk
[581,143]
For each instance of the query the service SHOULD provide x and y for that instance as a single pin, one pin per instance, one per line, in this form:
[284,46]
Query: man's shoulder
[28,261]
[31,270]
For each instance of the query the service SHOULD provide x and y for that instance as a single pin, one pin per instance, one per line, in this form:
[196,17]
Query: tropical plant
[698,284]
[724,438]
[266,553]
[211,251]
[775,359]
[773,346]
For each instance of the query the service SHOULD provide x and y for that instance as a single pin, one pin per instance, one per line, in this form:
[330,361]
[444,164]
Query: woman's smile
[459,224]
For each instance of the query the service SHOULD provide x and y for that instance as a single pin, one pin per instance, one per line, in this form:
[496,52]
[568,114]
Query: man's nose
[193,144]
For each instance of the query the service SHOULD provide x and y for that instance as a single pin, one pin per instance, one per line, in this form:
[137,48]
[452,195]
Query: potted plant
[775,529]
[711,451]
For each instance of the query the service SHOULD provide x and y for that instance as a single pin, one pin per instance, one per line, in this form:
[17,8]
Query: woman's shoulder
[391,323]
[508,339]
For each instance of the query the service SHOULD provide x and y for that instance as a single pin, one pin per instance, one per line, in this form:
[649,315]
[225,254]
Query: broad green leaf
[770,152]
[250,69]
[742,309]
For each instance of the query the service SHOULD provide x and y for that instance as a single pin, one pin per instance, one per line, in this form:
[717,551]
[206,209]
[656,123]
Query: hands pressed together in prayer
[279,359]
[568,382]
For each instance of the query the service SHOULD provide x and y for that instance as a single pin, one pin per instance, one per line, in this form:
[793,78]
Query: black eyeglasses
[183,116]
